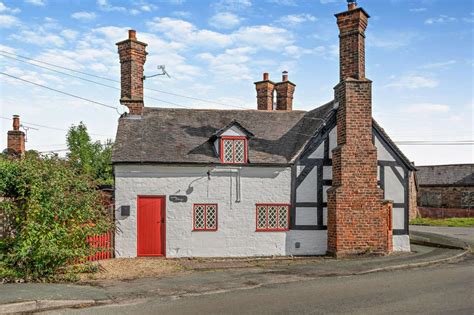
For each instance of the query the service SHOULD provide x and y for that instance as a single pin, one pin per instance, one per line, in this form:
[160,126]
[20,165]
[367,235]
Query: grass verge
[452,222]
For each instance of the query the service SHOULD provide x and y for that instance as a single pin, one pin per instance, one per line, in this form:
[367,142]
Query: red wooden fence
[101,245]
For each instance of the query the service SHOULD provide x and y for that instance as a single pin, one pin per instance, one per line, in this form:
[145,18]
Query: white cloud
[414,81]
[438,65]
[36,2]
[104,5]
[290,3]
[69,34]
[416,10]
[38,37]
[4,8]
[233,5]
[232,64]
[442,19]
[84,16]
[426,108]
[391,40]
[329,1]
[252,35]
[185,32]
[296,19]
[7,21]
[183,14]
[224,20]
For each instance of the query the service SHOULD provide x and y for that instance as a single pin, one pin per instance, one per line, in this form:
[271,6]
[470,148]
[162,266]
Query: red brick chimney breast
[132,56]
[358,217]
[16,138]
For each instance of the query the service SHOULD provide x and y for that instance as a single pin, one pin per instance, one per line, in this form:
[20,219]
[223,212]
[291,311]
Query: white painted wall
[236,235]
[401,243]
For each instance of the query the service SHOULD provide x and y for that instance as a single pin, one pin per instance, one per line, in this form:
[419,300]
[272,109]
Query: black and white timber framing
[312,176]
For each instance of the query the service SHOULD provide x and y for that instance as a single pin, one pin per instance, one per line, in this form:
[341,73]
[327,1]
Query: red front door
[151,226]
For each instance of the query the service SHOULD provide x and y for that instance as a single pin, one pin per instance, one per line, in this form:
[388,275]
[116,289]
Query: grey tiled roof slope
[443,175]
[167,135]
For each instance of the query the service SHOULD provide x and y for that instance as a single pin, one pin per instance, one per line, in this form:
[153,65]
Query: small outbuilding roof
[446,175]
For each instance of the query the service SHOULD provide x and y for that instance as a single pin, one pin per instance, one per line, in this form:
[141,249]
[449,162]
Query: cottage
[266,182]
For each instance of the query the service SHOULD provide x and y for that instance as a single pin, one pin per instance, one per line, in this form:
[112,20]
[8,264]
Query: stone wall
[446,197]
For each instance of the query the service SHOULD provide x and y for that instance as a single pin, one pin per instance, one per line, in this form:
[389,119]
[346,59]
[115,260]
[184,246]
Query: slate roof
[165,135]
[446,175]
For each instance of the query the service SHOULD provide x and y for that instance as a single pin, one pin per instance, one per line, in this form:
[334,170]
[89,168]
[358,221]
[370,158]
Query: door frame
[163,232]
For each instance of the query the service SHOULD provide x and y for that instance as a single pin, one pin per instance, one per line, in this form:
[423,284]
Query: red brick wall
[439,213]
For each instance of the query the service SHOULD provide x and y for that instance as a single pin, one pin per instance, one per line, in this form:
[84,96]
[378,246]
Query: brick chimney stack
[359,220]
[285,91]
[265,90]
[132,58]
[16,138]
[352,25]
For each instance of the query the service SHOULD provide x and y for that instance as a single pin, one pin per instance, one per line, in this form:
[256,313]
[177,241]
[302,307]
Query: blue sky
[419,56]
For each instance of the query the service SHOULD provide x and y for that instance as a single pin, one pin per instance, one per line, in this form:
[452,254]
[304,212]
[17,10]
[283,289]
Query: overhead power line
[58,91]
[87,80]
[116,81]
[54,128]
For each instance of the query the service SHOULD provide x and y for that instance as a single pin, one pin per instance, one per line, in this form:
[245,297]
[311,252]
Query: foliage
[91,158]
[50,209]
[453,222]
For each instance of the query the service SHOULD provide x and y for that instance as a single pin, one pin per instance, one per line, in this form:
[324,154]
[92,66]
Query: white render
[236,235]
[401,243]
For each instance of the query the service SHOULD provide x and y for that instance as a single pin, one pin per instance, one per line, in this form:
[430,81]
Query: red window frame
[267,229]
[205,216]
[221,149]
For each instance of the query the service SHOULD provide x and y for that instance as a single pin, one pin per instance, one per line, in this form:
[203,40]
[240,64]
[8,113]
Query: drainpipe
[236,171]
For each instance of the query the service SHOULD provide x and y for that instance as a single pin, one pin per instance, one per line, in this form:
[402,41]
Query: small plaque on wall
[125,211]
[178,198]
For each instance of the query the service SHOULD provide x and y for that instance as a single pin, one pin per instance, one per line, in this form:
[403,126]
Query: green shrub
[51,208]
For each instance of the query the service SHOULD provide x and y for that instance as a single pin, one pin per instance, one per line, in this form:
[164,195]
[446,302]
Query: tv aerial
[26,129]
[163,72]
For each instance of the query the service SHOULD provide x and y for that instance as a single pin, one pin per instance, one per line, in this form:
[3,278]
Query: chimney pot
[16,122]
[284,76]
[266,77]
[132,34]
[351,4]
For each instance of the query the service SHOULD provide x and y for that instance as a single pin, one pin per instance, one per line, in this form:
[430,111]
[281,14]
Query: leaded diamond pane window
[272,217]
[233,150]
[205,217]
[239,156]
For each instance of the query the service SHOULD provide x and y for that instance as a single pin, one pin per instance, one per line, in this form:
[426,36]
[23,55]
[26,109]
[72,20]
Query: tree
[51,209]
[91,158]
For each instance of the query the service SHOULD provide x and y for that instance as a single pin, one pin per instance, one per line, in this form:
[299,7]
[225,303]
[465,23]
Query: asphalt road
[442,289]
